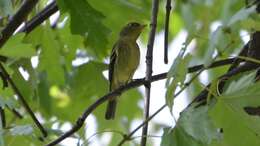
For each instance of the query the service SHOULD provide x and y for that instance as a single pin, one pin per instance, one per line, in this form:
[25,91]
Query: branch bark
[166,30]
[149,68]
[2,116]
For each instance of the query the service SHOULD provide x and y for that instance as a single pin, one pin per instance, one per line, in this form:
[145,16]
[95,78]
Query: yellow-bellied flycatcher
[124,60]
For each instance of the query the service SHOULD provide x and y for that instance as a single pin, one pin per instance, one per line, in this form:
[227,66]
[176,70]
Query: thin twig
[2,116]
[22,99]
[17,20]
[120,90]
[40,17]
[166,30]
[15,112]
[149,66]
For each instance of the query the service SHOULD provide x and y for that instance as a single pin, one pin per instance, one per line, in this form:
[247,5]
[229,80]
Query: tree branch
[17,20]
[166,30]
[120,90]
[15,112]
[40,17]
[149,67]
[2,116]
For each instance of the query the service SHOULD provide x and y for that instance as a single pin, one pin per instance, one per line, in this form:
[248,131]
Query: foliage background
[58,90]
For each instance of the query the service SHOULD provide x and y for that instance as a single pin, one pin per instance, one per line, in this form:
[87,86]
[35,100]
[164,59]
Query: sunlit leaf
[15,47]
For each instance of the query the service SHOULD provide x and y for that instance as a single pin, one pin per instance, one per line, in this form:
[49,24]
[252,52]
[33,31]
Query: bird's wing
[112,61]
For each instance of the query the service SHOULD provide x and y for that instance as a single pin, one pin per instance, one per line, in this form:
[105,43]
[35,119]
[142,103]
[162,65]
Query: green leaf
[242,83]
[2,141]
[178,137]
[50,59]
[167,138]
[35,37]
[6,7]
[6,102]
[237,130]
[22,130]
[15,48]
[88,80]
[45,99]
[86,20]
[70,42]
[213,44]
[176,76]
[196,123]
[187,16]
[242,14]
[24,86]
[251,24]
[127,110]
[176,24]
[86,83]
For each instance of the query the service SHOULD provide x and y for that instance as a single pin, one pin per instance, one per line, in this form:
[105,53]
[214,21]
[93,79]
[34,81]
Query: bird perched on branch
[124,60]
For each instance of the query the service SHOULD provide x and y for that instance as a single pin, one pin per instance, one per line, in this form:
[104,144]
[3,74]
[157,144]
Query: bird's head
[132,30]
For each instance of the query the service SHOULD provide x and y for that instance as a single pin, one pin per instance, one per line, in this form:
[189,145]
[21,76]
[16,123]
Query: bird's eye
[134,24]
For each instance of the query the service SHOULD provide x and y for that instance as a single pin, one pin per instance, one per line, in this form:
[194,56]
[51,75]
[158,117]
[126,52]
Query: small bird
[124,60]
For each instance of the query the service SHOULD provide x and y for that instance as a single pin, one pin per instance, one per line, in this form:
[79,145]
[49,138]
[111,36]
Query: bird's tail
[111,109]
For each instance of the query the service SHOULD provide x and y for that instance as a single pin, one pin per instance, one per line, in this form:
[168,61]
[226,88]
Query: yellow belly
[126,65]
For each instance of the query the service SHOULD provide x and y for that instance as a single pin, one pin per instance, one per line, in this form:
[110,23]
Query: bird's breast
[133,57]
[127,62]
